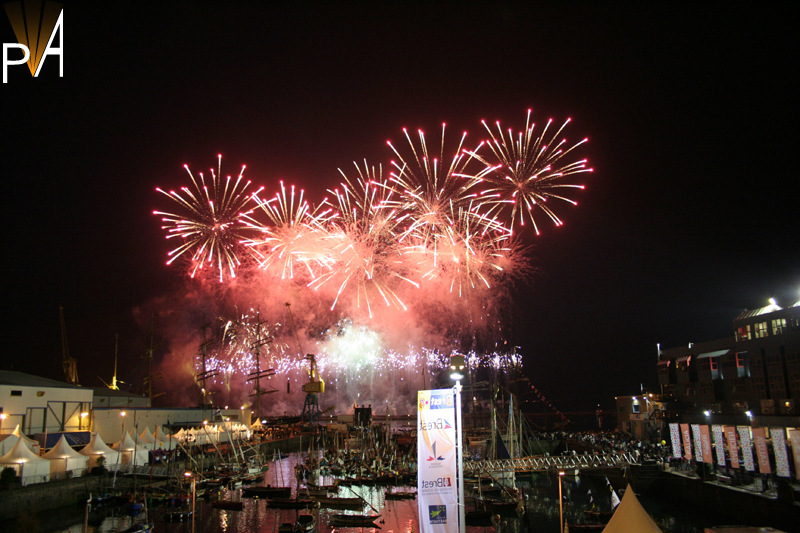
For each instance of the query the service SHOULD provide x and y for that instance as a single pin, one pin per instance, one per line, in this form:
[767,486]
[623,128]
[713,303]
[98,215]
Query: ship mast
[69,364]
[258,374]
[148,381]
[205,374]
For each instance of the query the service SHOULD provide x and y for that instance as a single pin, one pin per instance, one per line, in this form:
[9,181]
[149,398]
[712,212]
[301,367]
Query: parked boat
[339,503]
[399,495]
[137,528]
[178,515]
[289,503]
[354,520]
[267,492]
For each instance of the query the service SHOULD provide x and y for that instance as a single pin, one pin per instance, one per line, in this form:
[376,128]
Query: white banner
[779,447]
[698,443]
[675,437]
[437,491]
[719,443]
[747,449]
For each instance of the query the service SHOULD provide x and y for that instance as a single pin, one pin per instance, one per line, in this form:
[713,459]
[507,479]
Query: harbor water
[580,492]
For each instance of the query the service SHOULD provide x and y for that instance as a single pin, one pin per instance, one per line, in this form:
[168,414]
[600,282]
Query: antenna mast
[69,364]
[258,374]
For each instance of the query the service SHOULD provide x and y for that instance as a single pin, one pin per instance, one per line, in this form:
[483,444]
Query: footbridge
[546,463]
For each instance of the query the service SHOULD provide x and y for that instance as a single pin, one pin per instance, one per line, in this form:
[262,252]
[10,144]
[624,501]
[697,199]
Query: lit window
[761,330]
[743,333]
[778,326]
[714,363]
[740,360]
[635,408]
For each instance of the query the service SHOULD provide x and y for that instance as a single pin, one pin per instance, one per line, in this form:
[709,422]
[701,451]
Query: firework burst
[290,238]
[530,171]
[363,241]
[208,228]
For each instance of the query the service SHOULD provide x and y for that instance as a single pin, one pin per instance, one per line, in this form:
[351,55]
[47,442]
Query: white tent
[31,468]
[7,442]
[64,461]
[96,449]
[631,517]
[130,452]
[33,445]
[164,441]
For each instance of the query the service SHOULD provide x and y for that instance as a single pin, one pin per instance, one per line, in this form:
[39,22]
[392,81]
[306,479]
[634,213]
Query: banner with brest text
[437,493]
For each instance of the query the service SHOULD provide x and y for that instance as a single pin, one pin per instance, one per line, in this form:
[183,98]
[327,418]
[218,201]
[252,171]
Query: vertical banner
[794,436]
[733,447]
[747,447]
[675,437]
[687,442]
[698,446]
[719,443]
[760,442]
[779,447]
[705,445]
[436,461]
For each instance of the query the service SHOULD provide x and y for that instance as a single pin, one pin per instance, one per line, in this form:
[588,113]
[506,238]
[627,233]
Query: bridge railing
[543,463]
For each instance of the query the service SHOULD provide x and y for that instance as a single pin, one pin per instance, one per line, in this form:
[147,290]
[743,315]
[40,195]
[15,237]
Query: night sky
[690,216]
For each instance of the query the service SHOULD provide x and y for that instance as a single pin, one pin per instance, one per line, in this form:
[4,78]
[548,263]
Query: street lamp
[2,418]
[560,502]
[457,374]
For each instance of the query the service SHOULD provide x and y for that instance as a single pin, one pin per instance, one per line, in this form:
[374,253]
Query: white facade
[40,405]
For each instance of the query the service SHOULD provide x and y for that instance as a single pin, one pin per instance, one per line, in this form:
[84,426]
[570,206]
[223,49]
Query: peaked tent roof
[24,437]
[630,516]
[96,446]
[20,453]
[62,450]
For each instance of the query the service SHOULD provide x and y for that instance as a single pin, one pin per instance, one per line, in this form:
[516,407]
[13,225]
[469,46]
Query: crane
[315,385]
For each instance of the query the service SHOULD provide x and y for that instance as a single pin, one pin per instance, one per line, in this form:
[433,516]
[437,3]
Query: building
[41,405]
[753,374]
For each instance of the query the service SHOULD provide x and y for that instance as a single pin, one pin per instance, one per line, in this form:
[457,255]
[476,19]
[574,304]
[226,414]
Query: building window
[740,360]
[743,333]
[761,330]
[714,363]
[635,408]
[16,393]
[778,326]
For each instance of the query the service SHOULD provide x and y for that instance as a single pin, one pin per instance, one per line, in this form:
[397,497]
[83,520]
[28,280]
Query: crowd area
[611,442]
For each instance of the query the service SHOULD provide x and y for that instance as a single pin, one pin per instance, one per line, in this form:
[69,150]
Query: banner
[747,448]
[687,442]
[719,443]
[733,447]
[781,457]
[705,444]
[794,436]
[437,489]
[760,442]
[698,446]
[675,437]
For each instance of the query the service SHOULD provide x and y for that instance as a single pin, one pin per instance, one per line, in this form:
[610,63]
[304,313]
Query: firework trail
[208,228]
[527,170]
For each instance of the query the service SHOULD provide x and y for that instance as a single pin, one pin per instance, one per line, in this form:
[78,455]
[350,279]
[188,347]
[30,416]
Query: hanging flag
[794,436]
[705,444]
[614,499]
[675,437]
[719,443]
[687,442]
[760,441]
[698,446]
[747,449]
[733,446]
[779,447]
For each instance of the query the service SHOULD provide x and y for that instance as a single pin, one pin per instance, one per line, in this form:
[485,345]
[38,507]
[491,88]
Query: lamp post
[457,374]
[194,479]
[560,503]
[119,450]
[2,418]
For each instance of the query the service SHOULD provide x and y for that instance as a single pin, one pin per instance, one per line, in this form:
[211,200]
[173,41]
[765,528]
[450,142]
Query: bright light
[187,474]
[749,413]
[707,413]
[3,416]
[122,413]
[84,414]
[457,367]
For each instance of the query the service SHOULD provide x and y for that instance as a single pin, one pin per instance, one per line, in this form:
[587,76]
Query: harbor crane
[69,364]
[315,385]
